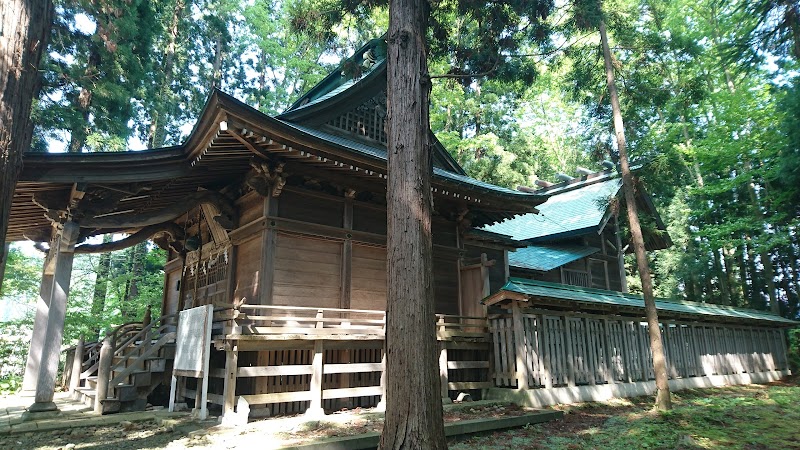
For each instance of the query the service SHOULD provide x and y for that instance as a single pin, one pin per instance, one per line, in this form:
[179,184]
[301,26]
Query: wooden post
[269,241]
[443,372]
[231,369]
[103,374]
[45,385]
[545,349]
[345,294]
[77,365]
[39,324]
[315,407]
[146,321]
[570,353]
[522,372]
[382,403]
[784,359]
[609,369]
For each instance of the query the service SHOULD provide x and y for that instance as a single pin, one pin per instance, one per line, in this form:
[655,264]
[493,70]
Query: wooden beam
[245,142]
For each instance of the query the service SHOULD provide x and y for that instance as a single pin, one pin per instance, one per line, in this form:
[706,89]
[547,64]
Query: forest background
[710,94]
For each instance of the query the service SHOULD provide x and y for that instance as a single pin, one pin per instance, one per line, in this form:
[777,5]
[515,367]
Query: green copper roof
[548,257]
[581,295]
[563,214]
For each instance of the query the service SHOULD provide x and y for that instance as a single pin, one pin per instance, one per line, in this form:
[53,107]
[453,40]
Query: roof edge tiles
[548,257]
[531,288]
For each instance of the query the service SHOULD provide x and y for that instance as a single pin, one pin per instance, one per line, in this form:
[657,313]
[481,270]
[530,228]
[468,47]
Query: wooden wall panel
[445,283]
[248,266]
[307,272]
[444,233]
[369,278]
[172,292]
[310,208]
[251,207]
[368,219]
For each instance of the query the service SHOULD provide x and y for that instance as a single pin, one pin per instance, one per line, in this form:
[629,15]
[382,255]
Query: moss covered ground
[737,417]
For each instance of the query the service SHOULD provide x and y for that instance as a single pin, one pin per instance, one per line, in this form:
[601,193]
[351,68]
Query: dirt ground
[710,418]
[261,434]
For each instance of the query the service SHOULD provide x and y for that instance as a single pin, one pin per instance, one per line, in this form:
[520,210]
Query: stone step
[111,405]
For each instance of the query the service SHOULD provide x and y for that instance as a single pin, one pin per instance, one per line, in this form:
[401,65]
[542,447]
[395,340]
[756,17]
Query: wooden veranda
[283,360]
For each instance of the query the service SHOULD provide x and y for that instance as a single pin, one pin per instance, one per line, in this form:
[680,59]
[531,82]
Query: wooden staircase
[138,360]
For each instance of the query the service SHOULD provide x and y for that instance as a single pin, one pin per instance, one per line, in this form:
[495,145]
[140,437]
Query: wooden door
[474,288]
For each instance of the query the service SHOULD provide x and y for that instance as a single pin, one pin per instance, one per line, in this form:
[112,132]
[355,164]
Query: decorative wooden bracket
[266,174]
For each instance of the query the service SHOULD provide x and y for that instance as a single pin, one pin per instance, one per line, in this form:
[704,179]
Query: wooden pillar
[103,373]
[231,369]
[45,385]
[39,324]
[315,407]
[382,403]
[77,366]
[269,241]
[522,371]
[443,376]
[345,379]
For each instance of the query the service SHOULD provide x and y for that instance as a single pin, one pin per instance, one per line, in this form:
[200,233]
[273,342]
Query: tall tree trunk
[663,400]
[156,132]
[83,101]
[764,254]
[722,277]
[216,69]
[413,395]
[137,256]
[735,288]
[744,274]
[24,27]
[100,288]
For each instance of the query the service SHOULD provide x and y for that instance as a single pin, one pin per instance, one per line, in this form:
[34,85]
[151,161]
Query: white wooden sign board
[192,348]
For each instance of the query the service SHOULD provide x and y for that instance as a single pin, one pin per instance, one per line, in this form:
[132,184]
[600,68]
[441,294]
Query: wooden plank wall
[248,267]
[575,349]
[368,278]
[308,272]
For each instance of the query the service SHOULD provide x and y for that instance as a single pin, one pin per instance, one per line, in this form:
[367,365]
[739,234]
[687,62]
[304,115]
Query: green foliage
[91,77]
[118,307]
[22,276]
[14,342]
[794,350]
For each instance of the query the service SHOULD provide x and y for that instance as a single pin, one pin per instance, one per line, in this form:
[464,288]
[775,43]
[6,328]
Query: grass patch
[737,417]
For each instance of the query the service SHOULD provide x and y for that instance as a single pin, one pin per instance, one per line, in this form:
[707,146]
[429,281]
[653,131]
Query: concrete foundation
[537,398]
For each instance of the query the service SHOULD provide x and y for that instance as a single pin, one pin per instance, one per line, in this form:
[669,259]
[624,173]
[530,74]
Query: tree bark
[80,131]
[157,131]
[24,27]
[663,401]
[413,395]
[137,256]
[722,277]
[100,289]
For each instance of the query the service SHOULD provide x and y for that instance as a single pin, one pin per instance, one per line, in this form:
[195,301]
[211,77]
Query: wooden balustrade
[315,359]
